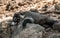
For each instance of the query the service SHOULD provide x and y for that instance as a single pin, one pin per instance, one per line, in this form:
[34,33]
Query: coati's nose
[13,24]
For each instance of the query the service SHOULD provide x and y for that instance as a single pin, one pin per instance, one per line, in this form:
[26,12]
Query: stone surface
[57,6]
[54,35]
[56,26]
[31,31]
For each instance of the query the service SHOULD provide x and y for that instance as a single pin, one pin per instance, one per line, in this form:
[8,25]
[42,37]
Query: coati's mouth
[13,23]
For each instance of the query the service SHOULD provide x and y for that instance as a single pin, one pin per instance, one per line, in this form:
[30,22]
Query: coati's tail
[27,20]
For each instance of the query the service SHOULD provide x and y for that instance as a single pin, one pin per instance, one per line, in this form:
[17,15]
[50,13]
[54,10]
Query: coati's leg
[27,20]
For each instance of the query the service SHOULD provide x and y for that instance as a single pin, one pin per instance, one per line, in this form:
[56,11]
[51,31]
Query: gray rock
[52,35]
[0,25]
[32,31]
[55,35]
[56,26]
[5,29]
[57,6]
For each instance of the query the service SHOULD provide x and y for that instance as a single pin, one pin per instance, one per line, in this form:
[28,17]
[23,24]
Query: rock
[11,6]
[32,31]
[51,8]
[17,1]
[0,25]
[57,6]
[5,29]
[2,2]
[26,1]
[58,17]
[35,26]
[49,1]
[56,26]
[58,1]
[54,35]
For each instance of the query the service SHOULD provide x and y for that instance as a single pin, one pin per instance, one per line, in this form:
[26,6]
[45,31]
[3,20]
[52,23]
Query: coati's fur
[38,19]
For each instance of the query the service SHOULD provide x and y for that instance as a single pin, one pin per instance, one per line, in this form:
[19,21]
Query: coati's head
[16,19]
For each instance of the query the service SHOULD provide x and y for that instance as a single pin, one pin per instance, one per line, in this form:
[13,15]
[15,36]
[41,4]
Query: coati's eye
[16,19]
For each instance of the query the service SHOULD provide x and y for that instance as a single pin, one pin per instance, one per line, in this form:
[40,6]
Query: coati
[32,17]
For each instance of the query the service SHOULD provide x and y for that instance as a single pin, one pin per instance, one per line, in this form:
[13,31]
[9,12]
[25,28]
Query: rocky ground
[9,7]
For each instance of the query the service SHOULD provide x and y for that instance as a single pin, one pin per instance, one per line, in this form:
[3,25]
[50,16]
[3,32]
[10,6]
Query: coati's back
[41,19]
[36,16]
